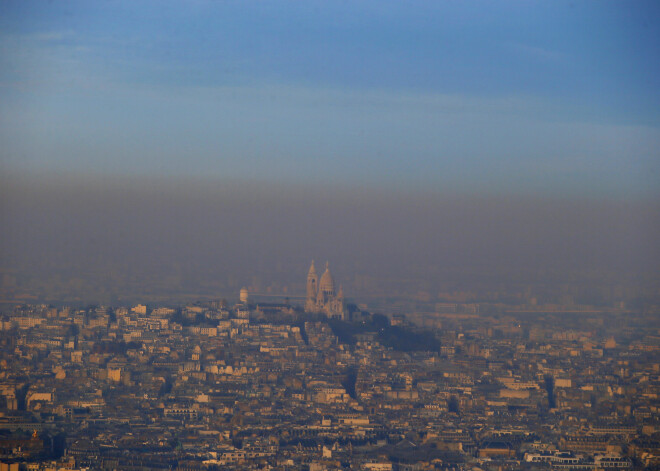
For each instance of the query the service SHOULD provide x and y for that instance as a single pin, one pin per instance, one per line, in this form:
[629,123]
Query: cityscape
[326,384]
[308,235]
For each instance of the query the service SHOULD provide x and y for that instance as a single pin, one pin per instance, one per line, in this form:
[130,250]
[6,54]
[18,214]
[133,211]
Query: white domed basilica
[321,296]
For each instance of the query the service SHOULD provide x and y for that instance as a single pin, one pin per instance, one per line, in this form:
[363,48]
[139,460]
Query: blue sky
[546,97]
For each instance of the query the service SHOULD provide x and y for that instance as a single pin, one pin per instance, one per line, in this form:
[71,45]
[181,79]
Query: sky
[544,97]
[393,138]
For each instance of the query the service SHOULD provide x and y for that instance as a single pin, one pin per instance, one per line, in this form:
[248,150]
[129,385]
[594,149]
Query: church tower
[312,288]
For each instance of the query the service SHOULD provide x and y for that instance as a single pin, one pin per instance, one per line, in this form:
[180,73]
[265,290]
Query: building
[321,295]
[243,296]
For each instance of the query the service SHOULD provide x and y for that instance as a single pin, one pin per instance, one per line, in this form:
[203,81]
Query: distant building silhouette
[321,296]
[243,296]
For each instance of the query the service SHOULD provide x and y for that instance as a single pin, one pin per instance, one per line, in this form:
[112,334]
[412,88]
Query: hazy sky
[553,97]
[160,236]
[231,138]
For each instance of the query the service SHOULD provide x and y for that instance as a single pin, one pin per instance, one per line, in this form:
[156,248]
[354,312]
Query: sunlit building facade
[321,295]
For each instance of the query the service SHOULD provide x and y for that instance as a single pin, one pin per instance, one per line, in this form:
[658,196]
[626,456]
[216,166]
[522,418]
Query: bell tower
[312,289]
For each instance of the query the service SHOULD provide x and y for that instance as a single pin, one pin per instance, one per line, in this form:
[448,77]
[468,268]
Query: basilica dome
[327,284]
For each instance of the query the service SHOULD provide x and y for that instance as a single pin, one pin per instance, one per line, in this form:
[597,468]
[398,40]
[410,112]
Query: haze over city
[208,143]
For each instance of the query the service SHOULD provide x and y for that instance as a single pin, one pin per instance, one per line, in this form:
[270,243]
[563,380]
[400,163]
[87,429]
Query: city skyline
[482,178]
